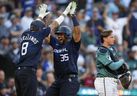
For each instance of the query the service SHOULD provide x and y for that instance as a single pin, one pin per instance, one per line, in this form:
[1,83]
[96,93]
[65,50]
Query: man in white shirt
[116,24]
[26,19]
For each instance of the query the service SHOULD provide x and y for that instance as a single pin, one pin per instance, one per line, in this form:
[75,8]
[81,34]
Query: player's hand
[42,11]
[67,10]
[73,8]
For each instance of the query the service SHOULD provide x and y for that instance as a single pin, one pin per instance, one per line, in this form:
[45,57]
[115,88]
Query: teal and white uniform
[107,63]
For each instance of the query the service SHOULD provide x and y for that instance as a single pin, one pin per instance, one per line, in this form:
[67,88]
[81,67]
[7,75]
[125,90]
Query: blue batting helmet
[37,25]
[64,29]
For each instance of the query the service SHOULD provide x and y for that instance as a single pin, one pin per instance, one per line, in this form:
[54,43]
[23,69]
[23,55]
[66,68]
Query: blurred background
[94,16]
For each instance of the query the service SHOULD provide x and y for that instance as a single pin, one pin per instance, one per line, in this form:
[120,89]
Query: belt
[109,78]
[67,76]
[72,75]
[33,69]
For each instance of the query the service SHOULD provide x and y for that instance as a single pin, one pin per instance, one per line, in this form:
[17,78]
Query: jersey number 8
[24,48]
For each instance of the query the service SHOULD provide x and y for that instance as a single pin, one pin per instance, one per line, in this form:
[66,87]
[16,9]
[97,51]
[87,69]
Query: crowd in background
[94,16]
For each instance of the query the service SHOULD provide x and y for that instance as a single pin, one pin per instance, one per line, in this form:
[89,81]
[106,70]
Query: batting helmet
[64,29]
[37,25]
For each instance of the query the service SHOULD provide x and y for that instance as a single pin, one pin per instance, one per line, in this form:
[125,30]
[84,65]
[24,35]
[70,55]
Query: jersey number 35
[64,57]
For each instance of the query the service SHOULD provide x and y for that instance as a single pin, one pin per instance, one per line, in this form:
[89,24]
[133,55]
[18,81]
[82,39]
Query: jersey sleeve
[76,45]
[53,41]
[103,56]
[45,32]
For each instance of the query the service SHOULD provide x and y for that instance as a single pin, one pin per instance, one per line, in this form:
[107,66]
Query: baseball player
[108,66]
[65,50]
[31,45]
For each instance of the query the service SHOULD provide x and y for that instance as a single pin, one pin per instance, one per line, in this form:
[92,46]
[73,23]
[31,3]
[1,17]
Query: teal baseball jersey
[103,59]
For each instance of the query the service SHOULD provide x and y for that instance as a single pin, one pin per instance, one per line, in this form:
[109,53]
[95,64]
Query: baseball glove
[123,69]
[126,79]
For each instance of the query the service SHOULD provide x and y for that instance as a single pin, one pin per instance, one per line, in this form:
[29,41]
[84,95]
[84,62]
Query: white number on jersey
[24,48]
[64,57]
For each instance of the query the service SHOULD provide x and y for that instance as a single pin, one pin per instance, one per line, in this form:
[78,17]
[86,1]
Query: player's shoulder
[26,32]
[102,50]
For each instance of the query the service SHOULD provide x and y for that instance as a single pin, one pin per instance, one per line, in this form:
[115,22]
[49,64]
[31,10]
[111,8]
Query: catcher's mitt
[125,79]
[123,69]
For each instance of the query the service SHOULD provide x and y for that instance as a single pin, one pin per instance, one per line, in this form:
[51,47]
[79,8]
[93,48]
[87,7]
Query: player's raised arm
[42,12]
[60,19]
[76,30]
[57,21]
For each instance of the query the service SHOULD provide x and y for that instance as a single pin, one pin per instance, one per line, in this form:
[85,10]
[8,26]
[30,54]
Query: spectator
[46,64]
[122,53]
[131,60]
[122,8]
[134,49]
[116,24]
[88,37]
[81,18]
[5,14]
[49,78]
[89,76]
[4,32]
[41,89]
[3,90]
[81,65]
[90,54]
[27,19]
[27,3]
[4,46]
[96,24]
[132,22]
[89,6]
[15,29]
[111,8]
[3,11]
[11,87]
[14,52]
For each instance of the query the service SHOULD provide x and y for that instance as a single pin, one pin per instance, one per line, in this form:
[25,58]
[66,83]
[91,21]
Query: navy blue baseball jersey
[65,56]
[31,45]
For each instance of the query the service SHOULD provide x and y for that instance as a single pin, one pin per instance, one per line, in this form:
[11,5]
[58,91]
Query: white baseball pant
[106,86]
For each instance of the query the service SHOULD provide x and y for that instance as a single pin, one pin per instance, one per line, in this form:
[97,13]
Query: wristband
[60,19]
[75,21]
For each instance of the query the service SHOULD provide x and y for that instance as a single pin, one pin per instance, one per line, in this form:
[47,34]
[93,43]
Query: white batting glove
[73,8]
[67,10]
[42,11]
